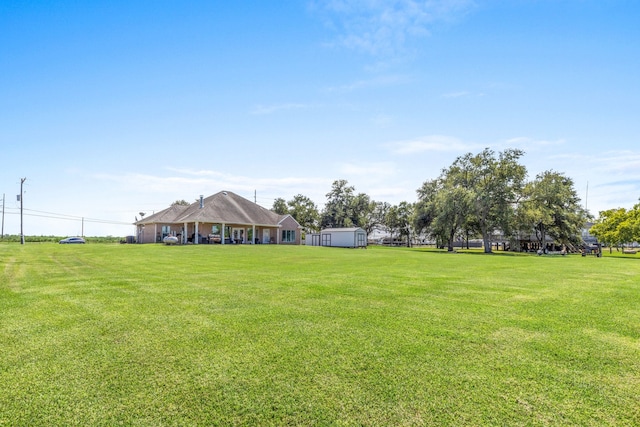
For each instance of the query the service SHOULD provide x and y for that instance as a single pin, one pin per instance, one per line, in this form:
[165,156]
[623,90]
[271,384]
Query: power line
[66,217]
[2,235]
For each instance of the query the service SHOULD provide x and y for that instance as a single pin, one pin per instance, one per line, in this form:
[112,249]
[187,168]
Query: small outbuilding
[353,237]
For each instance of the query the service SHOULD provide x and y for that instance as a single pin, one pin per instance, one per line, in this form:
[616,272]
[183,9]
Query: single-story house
[224,218]
[351,237]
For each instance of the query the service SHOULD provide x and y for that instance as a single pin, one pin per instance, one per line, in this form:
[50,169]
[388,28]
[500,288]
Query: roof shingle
[223,207]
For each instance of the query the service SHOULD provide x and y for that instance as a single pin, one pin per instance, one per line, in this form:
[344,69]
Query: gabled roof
[165,216]
[287,216]
[223,207]
[344,229]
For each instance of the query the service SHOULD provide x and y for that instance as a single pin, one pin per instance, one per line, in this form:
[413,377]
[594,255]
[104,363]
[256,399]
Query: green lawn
[151,335]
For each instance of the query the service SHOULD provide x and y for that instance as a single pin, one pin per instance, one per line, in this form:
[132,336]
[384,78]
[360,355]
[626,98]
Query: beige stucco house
[224,218]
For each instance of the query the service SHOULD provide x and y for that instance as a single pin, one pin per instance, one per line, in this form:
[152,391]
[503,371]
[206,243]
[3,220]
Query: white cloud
[189,184]
[614,164]
[373,170]
[385,27]
[612,178]
[393,195]
[439,143]
[526,142]
[186,178]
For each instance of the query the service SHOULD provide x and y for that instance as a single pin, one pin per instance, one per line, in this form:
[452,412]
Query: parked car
[72,240]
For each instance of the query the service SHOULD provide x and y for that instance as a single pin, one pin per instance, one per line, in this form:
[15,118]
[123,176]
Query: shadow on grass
[469,252]
[619,256]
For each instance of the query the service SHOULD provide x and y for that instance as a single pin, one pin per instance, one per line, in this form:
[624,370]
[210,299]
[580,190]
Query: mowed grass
[151,335]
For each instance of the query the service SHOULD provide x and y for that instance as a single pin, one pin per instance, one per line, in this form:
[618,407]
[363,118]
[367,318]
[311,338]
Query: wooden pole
[21,212]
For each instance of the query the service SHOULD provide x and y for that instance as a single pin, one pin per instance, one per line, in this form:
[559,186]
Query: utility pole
[586,200]
[22,180]
[2,235]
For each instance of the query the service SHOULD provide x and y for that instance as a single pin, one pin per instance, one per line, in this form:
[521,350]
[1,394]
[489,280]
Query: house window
[288,236]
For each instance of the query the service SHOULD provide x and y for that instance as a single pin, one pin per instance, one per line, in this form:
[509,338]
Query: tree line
[477,196]
[618,227]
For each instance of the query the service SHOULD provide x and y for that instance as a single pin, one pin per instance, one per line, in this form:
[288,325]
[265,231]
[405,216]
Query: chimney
[201,201]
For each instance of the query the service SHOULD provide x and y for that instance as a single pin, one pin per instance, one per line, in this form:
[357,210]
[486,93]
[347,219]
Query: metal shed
[354,237]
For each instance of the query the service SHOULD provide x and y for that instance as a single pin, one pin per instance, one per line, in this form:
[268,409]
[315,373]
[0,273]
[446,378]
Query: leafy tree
[453,205]
[606,227]
[337,211]
[442,209]
[280,206]
[493,185]
[551,207]
[399,218]
[392,221]
[359,209]
[615,227]
[304,211]
[405,220]
[374,216]
[634,219]
[426,209]
[181,203]
[627,229]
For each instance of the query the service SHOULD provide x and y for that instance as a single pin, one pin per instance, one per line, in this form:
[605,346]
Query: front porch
[210,233]
[226,234]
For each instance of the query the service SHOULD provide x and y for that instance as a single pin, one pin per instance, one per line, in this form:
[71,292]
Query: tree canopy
[617,227]
[280,206]
[476,192]
[551,206]
[477,195]
[304,211]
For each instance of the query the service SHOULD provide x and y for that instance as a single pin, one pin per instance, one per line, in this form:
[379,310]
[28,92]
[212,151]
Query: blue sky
[111,108]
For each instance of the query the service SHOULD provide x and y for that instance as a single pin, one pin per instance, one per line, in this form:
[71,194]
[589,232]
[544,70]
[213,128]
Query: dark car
[72,240]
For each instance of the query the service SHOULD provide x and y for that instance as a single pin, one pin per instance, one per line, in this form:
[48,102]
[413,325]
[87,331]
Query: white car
[72,240]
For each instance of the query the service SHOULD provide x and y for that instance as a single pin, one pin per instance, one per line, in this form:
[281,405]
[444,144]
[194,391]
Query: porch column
[224,226]
[155,233]
[195,235]
[184,233]
[253,234]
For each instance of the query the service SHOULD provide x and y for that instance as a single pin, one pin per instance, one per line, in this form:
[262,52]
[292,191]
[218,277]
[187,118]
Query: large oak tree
[551,206]
[494,185]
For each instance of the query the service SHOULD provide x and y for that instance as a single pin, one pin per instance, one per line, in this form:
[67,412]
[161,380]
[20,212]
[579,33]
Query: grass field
[151,335]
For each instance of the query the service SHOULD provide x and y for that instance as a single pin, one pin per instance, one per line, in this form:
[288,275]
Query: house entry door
[238,235]
[266,236]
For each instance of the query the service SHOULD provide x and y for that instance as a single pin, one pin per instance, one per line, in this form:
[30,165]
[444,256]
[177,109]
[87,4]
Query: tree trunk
[451,236]
[486,242]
